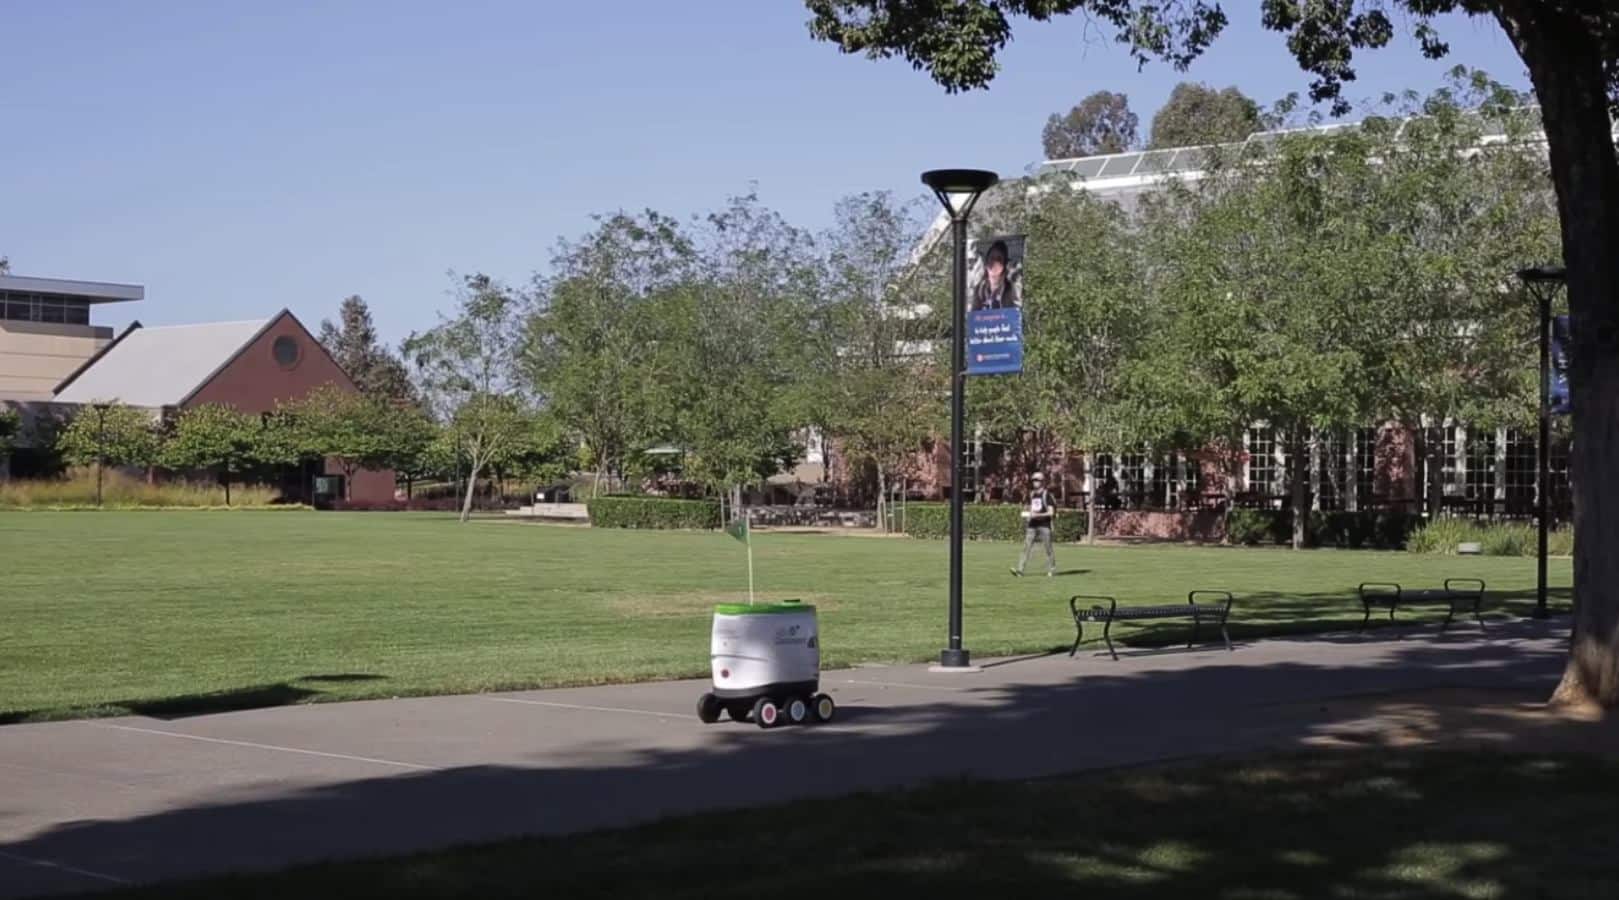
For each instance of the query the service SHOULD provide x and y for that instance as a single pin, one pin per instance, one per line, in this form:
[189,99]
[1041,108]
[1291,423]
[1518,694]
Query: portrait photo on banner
[996,272]
[995,306]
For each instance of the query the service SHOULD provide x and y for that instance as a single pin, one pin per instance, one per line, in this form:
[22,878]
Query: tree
[592,346]
[1085,327]
[5,266]
[1101,123]
[870,384]
[335,423]
[10,425]
[215,437]
[467,368]
[108,434]
[733,346]
[1571,48]
[408,436]
[1463,340]
[539,455]
[353,343]
[1197,114]
[484,430]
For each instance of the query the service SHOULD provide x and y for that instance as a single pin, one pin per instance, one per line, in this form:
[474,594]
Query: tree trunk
[226,479]
[1233,466]
[1565,62]
[1301,489]
[1090,500]
[1433,470]
[883,524]
[472,485]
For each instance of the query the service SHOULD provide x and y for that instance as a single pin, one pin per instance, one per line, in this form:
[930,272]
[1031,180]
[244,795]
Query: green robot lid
[762,609]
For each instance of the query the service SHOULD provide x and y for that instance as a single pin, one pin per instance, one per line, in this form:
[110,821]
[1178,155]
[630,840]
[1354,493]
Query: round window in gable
[286,351]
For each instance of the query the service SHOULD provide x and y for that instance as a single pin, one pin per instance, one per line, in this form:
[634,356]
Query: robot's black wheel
[738,711]
[766,714]
[823,708]
[708,709]
[797,710]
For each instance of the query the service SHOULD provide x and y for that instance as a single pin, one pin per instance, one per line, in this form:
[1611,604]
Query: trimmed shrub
[1442,536]
[1251,527]
[987,522]
[653,512]
[1368,530]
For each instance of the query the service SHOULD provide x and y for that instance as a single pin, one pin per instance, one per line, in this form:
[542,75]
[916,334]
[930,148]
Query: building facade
[54,360]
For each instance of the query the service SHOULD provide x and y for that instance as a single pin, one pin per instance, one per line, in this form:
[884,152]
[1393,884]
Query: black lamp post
[958,190]
[1543,282]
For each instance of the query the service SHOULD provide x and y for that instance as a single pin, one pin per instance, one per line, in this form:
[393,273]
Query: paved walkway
[101,803]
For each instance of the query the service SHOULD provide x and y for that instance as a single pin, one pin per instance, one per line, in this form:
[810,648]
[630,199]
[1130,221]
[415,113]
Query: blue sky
[236,161]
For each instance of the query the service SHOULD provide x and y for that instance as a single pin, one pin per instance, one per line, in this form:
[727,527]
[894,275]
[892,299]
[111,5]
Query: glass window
[52,311]
[1480,477]
[76,312]
[1521,471]
[1336,470]
[1133,478]
[1262,462]
[1365,463]
[1450,472]
[18,308]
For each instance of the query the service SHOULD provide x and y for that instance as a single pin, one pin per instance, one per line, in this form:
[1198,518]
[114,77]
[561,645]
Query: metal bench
[1459,593]
[1199,613]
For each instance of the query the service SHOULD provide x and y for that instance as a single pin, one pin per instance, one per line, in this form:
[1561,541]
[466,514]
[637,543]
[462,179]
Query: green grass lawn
[175,612]
[1408,826]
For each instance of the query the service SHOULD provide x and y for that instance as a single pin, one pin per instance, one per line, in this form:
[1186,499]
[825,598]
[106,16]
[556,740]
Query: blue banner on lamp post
[1557,382]
[995,322]
[994,342]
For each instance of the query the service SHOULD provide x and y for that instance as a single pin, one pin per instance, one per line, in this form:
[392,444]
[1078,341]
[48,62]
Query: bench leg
[1079,635]
[1106,636]
[1226,636]
[1448,616]
[1366,621]
[1193,640]
[1478,614]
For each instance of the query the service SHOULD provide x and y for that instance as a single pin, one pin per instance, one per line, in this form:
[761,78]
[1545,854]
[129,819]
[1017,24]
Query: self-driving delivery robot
[767,663]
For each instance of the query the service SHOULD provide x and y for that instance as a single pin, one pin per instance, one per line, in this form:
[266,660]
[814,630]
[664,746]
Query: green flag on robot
[739,530]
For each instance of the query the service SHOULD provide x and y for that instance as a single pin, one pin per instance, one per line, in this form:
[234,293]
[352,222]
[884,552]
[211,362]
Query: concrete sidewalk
[94,804]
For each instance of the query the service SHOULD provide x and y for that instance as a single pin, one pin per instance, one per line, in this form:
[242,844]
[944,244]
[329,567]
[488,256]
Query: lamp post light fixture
[1543,282]
[958,190]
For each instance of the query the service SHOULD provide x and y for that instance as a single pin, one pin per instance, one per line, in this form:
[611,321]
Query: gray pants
[1042,534]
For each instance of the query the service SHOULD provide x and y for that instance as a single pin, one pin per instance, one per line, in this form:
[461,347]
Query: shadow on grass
[187,705]
[1377,825]
[1337,614]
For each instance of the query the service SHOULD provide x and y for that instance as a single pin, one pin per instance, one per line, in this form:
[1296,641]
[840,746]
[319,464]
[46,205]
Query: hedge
[1369,530]
[986,522]
[653,512]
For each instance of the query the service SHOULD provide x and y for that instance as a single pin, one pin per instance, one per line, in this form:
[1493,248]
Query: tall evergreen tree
[352,341]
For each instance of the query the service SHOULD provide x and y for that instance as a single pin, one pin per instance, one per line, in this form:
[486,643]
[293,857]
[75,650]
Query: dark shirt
[1039,508]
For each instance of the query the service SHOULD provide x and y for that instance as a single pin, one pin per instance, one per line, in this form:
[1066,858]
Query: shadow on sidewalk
[1101,717]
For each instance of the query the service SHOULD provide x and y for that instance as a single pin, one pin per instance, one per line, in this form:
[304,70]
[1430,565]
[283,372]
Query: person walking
[1038,516]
